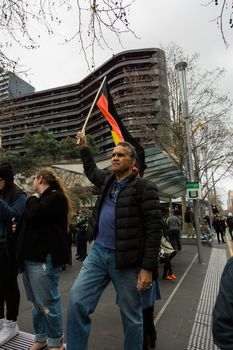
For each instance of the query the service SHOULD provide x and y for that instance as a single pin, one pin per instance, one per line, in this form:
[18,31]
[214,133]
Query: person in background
[75,233]
[70,242]
[149,298]
[230,224]
[189,221]
[215,209]
[223,224]
[12,203]
[173,230]
[126,227]
[217,225]
[166,254]
[164,225]
[42,250]
[81,225]
[207,220]
[73,228]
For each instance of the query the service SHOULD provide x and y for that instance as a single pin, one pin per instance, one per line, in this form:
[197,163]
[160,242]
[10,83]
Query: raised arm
[93,173]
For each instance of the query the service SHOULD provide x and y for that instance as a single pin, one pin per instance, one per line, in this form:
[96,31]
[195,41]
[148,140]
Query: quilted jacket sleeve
[152,223]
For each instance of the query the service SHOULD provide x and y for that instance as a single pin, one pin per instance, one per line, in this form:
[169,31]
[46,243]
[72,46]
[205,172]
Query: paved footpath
[184,322]
[182,317]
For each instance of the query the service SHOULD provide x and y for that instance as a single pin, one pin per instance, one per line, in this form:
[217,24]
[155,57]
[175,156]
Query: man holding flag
[118,130]
[126,227]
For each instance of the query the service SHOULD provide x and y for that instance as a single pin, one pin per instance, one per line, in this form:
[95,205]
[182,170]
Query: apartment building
[138,84]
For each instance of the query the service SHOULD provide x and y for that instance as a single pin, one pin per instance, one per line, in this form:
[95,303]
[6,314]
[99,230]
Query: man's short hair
[128,145]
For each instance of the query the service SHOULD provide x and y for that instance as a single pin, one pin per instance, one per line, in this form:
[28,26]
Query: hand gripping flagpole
[92,106]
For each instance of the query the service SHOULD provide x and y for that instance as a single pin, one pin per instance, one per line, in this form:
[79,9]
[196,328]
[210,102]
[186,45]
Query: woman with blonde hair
[42,250]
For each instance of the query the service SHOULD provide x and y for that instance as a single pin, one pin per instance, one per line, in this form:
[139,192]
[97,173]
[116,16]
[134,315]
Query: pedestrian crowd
[131,239]
[35,239]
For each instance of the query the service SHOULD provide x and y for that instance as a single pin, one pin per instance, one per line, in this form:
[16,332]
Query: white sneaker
[9,330]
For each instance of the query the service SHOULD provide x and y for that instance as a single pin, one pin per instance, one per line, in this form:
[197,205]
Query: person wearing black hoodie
[12,203]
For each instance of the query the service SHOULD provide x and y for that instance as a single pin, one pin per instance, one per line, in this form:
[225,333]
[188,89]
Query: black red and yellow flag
[118,130]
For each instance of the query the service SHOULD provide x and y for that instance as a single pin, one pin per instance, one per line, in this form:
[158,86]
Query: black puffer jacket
[138,217]
[223,310]
[43,229]
[12,205]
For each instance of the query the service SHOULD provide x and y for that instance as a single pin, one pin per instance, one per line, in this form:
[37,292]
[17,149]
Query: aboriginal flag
[119,132]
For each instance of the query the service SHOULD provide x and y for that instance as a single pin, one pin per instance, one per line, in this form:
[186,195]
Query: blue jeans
[41,286]
[97,271]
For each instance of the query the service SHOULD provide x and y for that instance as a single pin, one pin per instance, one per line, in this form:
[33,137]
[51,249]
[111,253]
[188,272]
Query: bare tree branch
[225,10]
[96,18]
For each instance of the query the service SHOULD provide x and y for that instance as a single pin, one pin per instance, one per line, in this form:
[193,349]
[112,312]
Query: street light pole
[181,73]
[207,186]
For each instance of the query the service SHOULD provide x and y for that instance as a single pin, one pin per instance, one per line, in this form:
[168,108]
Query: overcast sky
[185,22]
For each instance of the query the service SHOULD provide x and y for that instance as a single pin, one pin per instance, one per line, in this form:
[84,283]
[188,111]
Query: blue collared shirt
[107,219]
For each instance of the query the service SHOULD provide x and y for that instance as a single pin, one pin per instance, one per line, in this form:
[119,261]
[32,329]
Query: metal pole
[181,69]
[207,187]
[190,158]
[92,106]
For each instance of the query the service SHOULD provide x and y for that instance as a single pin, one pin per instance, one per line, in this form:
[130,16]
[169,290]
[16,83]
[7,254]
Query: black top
[43,229]
[223,310]
[188,217]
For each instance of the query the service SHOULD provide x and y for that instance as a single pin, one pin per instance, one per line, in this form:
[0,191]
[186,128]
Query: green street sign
[192,185]
[193,190]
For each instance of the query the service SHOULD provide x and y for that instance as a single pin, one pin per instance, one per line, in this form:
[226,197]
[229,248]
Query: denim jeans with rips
[41,286]
[97,271]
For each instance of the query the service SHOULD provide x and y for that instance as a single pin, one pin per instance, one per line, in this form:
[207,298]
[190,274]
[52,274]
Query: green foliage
[91,144]
[41,145]
[43,149]
[68,149]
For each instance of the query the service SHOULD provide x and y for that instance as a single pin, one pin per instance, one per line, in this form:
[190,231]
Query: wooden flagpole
[92,106]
